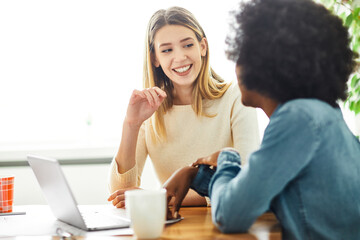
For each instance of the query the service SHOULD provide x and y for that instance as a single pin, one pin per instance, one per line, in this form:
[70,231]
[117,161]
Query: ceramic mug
[147,211]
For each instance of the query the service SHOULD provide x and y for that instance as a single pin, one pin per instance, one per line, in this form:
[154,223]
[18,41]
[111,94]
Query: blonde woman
[185,111]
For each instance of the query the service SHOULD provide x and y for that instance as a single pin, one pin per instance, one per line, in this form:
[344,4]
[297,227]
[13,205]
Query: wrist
[132,124]
[202,179]
[192,171]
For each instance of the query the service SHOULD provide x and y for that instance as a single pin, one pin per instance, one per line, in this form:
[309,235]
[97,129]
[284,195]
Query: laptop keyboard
[100,220]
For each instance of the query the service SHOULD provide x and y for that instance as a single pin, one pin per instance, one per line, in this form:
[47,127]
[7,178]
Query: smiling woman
[185,111]
[68,69]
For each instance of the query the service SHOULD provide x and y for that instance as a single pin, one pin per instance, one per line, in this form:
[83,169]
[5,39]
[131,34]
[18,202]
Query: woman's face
[179,54]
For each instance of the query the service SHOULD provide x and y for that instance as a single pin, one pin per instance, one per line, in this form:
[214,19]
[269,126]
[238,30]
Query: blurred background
[67,69]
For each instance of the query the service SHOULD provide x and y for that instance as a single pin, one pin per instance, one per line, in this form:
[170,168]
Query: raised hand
[143,104]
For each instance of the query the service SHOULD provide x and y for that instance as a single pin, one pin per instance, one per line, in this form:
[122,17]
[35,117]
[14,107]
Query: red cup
[6,193]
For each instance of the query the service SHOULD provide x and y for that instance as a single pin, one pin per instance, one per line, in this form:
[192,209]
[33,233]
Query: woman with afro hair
[293,61]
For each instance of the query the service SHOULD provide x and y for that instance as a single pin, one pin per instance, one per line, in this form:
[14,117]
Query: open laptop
[62,202]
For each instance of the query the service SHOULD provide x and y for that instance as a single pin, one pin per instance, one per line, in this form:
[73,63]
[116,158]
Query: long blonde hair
[208,84]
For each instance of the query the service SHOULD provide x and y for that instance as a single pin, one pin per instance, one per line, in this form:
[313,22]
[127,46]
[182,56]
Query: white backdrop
[67,69]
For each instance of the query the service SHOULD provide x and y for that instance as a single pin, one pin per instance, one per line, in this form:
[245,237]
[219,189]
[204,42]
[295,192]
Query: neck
[268,105]
[183,95]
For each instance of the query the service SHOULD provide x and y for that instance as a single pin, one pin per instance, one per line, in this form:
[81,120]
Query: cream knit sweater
[190,137]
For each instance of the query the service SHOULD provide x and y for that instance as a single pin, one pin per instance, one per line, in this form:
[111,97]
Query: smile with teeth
[182,69]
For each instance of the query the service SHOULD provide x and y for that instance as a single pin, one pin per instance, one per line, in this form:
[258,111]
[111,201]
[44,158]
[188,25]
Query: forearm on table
[225,194]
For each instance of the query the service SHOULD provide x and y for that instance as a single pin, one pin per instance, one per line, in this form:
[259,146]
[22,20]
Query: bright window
[67,69]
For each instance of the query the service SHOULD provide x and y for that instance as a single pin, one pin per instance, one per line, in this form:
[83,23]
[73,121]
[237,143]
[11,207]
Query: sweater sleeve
[244,127]
[131,178]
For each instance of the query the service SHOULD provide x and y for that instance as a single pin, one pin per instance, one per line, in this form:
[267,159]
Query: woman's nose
[179,55]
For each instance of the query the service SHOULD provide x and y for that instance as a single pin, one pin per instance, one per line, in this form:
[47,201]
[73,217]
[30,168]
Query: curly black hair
[290,49]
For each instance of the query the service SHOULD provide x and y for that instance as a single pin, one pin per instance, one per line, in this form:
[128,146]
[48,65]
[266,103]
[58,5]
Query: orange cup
[6,193]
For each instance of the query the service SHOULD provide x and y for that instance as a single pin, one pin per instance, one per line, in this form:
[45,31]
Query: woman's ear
[203,47]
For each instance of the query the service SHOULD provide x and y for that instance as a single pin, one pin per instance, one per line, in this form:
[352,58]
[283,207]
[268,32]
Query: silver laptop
[62,202]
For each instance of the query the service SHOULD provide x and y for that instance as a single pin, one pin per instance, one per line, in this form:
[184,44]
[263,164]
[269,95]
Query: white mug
[147,211]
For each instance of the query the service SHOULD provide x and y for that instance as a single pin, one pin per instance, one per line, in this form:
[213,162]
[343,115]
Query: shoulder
[232,95]
[233,91]
[312,110]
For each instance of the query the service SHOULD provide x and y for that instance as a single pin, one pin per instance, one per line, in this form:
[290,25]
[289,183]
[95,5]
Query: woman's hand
[118,197]
[177,187]
[211,159]
[143,104]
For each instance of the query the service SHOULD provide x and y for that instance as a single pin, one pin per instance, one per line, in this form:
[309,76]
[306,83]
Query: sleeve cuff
[119,181]
[229,157]
[227,162]
[201,182]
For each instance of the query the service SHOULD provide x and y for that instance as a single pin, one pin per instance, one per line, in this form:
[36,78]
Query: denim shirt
[307,171]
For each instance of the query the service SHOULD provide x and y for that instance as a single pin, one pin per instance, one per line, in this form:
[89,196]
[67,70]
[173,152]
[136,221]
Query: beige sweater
[190,137]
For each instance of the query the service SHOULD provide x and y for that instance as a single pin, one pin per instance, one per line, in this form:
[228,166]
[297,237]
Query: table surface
[196,224]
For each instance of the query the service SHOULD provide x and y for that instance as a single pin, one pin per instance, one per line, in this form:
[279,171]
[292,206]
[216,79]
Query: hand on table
[177,186]
[118,197]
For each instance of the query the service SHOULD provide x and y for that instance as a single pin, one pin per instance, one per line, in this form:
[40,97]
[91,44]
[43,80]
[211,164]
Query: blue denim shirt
[307,171]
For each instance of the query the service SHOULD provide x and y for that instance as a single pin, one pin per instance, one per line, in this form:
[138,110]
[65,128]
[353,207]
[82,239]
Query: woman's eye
[189,45]
[166,50]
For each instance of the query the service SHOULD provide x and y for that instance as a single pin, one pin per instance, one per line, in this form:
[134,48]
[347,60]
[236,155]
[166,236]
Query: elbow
[226,226]
[229,221]
[227,229]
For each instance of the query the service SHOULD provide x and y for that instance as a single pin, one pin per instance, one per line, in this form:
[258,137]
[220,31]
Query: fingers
[150,97]
[154,96]
[160,92]
[136,96]
[209,160]
[174,212]
[115,194]
[118,198]
[169,214]
[176,207]
[118,201]
[120,204]
[198,162]
[169,197]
